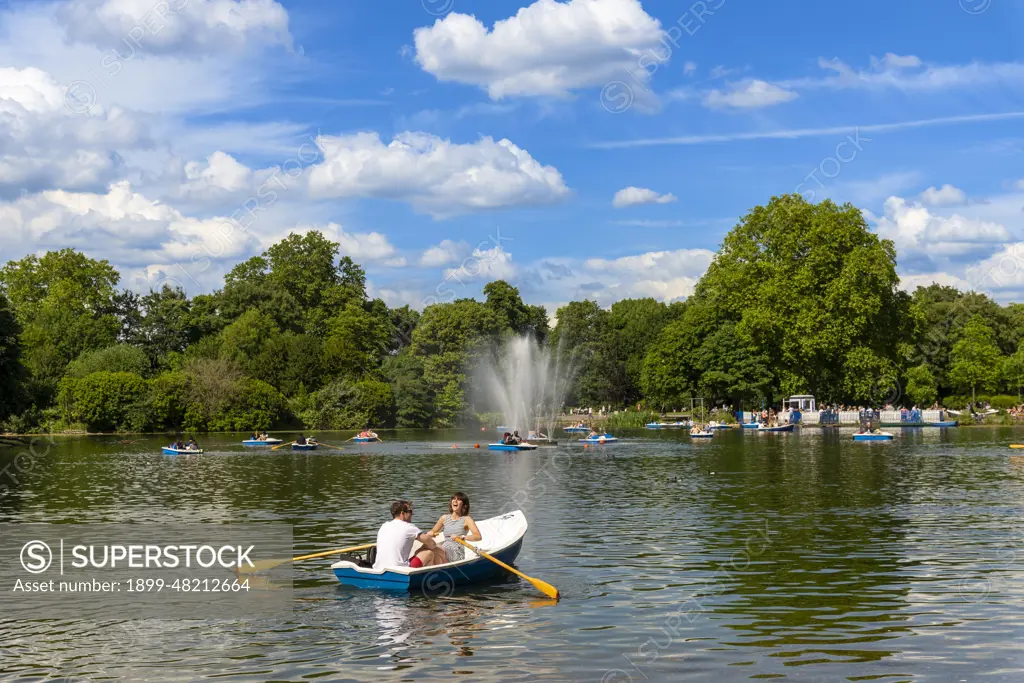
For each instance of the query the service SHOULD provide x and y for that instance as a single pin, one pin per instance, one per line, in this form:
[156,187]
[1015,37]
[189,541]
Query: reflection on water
[802,556]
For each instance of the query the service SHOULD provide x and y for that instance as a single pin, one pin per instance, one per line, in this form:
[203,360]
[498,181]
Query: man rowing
[395,540]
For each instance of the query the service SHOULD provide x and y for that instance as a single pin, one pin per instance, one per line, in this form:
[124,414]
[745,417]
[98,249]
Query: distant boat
[511,447]
[944,423]
[667,425]
[261,442]
[701,435]
[779,428]
[880,436]
[719,426]
[305,446]
[167,450]
[601,438]
[365,439]
[503,428]
[576,429]
[751,425]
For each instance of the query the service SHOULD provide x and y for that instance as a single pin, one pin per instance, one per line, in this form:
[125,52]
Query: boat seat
[364,560]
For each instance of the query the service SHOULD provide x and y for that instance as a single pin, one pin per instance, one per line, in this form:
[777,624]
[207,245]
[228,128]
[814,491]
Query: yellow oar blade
[265,565]
[282,445]
[544,587]
[1017,445]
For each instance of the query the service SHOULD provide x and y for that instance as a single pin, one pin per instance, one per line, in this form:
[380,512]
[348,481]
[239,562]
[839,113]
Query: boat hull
[702,436]
[445,576]
[268,442]
[783,428]
[304,447]
[511,447]
[872,437]
[182,451]
[751,425]
[576,430]
[365,439]
[600,440]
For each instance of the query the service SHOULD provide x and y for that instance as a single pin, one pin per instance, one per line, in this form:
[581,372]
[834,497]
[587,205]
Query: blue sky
[592,148]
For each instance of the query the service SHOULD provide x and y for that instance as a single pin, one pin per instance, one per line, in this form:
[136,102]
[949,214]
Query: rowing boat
[502,538]
[751,425]
[778,428]
[305,446]
[944,423]
[511,447]
[667,425]
[603,438]
[720,426]
[576,429]
[701,435]
[364,439]
[181,451]
[880,436]
[261,442]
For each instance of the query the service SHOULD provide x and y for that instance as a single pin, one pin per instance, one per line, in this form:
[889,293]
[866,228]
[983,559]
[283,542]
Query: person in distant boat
[516,439]
[593,434]
[192,445]
[395,540]
[311,441]
[456,524]
[301,441]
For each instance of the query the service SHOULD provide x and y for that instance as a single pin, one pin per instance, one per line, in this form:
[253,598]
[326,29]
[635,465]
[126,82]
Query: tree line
[800,298]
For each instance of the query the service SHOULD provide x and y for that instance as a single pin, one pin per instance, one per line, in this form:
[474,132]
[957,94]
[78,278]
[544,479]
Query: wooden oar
[545,588]
[1017,445]
[337,448]
[264,565]
[282,445]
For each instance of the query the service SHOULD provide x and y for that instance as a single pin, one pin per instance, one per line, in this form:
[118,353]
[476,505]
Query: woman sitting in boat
[456,524]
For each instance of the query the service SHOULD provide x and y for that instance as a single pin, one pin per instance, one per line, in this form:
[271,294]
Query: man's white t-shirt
[394,544]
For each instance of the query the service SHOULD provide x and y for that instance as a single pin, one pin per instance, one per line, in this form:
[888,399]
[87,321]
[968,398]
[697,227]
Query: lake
[799,556]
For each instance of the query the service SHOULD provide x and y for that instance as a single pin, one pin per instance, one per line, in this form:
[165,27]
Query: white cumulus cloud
[632,196]
[434,175]
[183,27]
[947,195]
[548,48]
[749,94]
[443,254]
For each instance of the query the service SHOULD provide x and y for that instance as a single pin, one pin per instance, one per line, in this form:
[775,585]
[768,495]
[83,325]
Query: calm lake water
[800,556]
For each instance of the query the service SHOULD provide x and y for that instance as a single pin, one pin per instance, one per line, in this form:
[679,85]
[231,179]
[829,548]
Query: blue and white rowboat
[576,429]
[305,446]
[779,428]
[365,439]
[502,539]
[261,442]
[751,425]
[882,436]
[603,438]
[181,451]
[701,435]
[945,423]
[511,447]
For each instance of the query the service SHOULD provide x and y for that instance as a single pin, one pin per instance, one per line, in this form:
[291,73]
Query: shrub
[119,358]
[105,401]
[1003,402]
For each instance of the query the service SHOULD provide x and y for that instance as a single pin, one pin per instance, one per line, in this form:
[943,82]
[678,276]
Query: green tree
[806,285]
[106,401]
[413,398]
[351,405]
[922,389]
[118,358]
[12,373]
[975,362]
[356,342]
[62,300]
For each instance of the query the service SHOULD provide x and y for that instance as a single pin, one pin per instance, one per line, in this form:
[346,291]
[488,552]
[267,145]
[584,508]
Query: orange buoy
[476,445]
[586,446]
[455,445]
